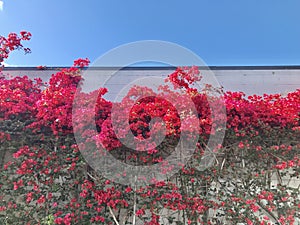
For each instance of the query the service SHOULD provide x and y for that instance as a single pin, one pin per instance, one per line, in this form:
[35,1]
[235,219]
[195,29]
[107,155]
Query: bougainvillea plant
[45,179]
[11,43]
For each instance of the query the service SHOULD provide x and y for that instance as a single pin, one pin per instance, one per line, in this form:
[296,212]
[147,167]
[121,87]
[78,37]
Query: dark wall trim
[283,67]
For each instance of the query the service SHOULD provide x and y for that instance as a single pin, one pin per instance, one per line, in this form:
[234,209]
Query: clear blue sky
[229,32]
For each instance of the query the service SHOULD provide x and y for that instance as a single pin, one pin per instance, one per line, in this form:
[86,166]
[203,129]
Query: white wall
[251,81]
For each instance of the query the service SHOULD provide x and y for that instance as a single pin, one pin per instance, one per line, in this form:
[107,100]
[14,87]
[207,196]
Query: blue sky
[231,32]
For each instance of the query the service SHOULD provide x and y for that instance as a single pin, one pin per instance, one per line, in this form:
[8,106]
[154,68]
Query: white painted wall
[250,81]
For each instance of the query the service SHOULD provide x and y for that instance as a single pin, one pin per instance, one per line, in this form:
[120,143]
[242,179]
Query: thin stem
[113,215]
[134,203]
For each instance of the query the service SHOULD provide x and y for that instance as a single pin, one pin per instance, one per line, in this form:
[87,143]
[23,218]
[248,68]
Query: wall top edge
[277,67]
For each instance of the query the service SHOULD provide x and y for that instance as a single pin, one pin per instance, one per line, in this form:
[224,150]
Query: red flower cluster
[81,62]
[18,96]
[273,109]
[13,42]
[55,104]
